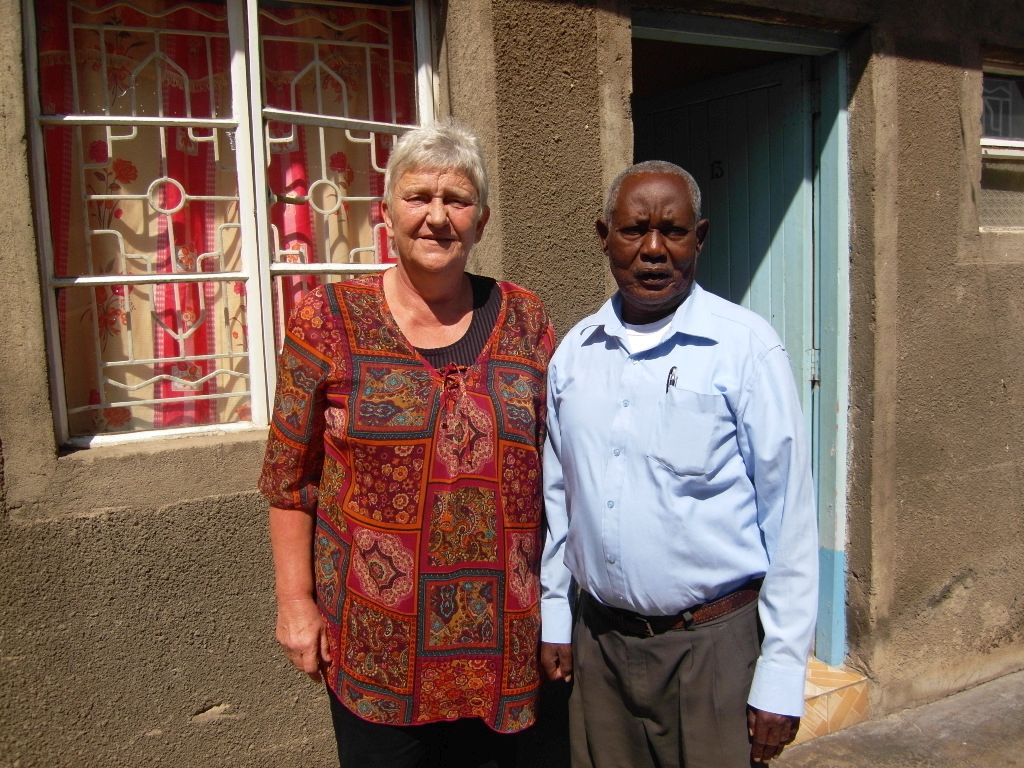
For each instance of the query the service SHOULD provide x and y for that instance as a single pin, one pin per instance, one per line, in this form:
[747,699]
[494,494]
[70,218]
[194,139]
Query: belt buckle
[648,629]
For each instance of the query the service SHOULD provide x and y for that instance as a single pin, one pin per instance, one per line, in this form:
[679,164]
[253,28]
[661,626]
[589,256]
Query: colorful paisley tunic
[427,491]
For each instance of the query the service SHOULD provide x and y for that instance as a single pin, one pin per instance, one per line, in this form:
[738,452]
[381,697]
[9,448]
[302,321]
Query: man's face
[652,242]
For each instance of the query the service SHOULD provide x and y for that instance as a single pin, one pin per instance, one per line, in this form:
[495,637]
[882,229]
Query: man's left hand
[769,733]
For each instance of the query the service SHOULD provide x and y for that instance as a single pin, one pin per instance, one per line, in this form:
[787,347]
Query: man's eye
[458,203]
[417,199]
[675,233]
[632,231]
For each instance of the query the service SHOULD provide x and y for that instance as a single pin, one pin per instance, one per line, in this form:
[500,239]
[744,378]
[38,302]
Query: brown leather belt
[629,623]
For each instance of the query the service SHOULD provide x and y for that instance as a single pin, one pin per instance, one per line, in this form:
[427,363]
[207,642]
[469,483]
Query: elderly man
[679,507]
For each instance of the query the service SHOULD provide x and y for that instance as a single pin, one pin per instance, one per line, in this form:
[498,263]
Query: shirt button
[611,558]
[611,504]
[625,403]
[616,452]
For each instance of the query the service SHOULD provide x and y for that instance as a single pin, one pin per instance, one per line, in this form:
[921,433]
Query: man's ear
[701,230]
[602,232]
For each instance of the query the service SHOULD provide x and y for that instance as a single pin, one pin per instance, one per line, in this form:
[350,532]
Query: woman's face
[434,219]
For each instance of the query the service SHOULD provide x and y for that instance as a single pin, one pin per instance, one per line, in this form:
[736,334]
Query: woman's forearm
[291,539]
[300,629]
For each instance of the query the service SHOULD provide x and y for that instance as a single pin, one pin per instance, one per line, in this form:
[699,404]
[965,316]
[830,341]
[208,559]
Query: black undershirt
[465,351]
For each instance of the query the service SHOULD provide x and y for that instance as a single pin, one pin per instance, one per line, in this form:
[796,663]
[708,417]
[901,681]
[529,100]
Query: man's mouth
[653,279]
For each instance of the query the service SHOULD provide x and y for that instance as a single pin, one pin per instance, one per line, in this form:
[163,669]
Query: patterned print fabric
[426,487]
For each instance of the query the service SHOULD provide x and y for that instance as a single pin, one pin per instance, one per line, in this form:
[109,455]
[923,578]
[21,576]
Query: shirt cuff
[778,688]
[555,621]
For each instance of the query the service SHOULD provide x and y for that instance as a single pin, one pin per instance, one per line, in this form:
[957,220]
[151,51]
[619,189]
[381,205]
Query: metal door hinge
[813,365]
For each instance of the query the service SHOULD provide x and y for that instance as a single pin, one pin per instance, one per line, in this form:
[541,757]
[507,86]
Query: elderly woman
[403,475]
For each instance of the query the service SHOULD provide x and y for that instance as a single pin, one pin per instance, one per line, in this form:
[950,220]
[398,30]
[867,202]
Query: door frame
[831,283]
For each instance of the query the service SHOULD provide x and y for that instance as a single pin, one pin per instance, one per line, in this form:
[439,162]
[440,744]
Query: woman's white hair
[443,146]
[651,166]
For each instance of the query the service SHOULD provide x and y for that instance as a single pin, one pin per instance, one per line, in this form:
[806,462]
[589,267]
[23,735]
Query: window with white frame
[1001,205]
[198,166]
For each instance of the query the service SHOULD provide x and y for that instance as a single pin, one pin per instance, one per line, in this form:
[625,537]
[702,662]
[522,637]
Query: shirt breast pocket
[691,427]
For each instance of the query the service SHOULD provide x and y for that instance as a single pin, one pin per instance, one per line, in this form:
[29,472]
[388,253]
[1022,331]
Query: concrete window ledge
[146,475]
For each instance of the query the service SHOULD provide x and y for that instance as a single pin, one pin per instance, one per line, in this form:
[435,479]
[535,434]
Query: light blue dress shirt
[674,475]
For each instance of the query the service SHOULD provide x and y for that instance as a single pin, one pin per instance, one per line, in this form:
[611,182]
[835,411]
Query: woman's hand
[302,635]
[300,630]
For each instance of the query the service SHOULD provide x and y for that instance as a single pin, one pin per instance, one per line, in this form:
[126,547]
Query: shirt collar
[692,317]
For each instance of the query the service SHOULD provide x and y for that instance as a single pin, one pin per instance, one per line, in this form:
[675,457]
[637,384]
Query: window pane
[142,200]
[1003,107]
[350,61]
[346,60]
[127,197]
[1002,194]
[155,57]
[154,355]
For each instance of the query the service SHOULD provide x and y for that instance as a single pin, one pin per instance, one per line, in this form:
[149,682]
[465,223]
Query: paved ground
[978,728]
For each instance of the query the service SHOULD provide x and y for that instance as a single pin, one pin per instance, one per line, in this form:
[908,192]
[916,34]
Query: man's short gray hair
[443,146]
[651,166]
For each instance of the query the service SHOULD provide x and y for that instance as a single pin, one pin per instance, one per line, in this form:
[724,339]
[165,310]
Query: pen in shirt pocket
[672,379]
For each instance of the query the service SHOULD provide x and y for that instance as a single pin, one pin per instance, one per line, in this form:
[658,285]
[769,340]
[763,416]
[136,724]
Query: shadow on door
[740,121]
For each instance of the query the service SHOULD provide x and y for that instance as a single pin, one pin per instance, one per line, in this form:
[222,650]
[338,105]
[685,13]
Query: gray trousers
[675,700]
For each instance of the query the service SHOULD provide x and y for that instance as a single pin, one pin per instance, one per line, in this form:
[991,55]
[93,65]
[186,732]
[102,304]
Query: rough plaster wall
[937,531]
[549,154]
[958,528]
[487,62]
[868,227]
[145,638]
[24,406]
[466,68]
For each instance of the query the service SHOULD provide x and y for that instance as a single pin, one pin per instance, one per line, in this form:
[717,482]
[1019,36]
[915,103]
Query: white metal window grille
[1001,203]
[201,164]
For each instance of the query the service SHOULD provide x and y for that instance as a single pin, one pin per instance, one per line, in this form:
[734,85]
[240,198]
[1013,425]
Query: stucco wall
[549,152]
[937,530]
[144,637]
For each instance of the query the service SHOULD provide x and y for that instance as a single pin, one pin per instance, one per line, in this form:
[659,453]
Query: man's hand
[556,661]
[302,635]
[769,733]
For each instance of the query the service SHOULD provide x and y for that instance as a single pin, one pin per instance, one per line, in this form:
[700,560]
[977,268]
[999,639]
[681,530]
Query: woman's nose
[436,213]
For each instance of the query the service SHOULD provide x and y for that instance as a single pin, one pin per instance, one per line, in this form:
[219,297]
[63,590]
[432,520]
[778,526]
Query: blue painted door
[747,140]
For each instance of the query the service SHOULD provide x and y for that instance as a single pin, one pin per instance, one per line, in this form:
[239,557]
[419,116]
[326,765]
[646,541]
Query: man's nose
[653,244]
